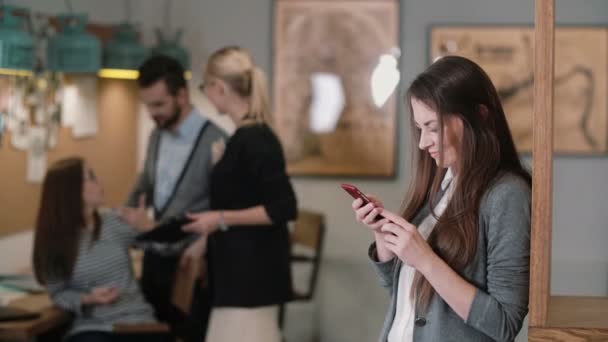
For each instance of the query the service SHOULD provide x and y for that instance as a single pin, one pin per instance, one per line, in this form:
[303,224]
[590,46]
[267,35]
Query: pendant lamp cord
[128,10]
[68,4]
[168,15]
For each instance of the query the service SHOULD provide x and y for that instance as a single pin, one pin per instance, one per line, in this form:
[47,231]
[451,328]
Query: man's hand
[137,217]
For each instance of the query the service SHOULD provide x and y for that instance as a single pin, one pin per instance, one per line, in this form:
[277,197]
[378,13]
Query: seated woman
[81,255]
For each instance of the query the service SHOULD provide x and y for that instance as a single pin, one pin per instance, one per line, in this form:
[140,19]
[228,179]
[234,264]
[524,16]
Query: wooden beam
[542,162]
[578,312]
[566,335]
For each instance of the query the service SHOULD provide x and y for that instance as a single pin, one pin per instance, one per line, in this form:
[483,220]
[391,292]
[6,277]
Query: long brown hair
[457,87]
[234,65]
[60,221]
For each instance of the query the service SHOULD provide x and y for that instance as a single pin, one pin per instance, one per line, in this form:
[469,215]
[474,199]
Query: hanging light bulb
[17,54]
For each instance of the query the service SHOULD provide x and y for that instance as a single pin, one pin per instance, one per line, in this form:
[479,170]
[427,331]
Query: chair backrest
[309,232]
[183,285]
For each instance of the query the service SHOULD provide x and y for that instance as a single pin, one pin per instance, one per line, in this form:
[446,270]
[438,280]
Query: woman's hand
[217,150]
[203,223]
[101,296]
[137,217]
[369,215]
[403,239]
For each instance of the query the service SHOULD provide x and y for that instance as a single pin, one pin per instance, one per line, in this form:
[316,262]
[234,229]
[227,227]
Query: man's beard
[171,121]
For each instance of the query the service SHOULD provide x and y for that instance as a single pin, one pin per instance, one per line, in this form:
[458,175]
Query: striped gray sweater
[104,262]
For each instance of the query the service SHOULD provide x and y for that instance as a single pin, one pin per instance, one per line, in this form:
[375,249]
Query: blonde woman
[251,202]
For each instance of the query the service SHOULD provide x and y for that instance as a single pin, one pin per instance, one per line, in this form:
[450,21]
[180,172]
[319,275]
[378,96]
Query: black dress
[249,265]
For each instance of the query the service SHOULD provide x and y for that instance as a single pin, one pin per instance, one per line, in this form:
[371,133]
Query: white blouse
[402,329]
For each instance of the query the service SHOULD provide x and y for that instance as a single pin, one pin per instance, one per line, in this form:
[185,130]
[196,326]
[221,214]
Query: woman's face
[427,122]
[92,190]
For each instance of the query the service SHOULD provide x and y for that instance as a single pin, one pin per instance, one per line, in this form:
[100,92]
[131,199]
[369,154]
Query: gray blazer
[499,270]
[191,192]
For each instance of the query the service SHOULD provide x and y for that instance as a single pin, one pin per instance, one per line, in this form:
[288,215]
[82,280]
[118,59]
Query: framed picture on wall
[581,70]
[335,77]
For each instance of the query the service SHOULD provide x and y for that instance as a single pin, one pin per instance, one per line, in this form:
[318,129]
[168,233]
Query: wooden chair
[185,279]
[307,247]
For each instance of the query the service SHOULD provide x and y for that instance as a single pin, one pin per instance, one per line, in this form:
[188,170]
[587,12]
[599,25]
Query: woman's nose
[424,142]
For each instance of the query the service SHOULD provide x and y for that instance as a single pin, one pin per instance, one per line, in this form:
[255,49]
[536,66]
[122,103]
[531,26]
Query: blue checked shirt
[174,150]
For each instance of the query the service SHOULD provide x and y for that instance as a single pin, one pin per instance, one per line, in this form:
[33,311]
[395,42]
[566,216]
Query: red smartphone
[355,193]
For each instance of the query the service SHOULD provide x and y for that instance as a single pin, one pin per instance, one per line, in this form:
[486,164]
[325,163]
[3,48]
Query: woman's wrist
[430,263]
[221,223]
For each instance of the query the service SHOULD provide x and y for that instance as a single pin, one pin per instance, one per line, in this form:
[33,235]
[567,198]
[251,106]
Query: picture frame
[327,111]
[580,83]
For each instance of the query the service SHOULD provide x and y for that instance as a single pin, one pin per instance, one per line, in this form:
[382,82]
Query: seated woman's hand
[101,296]
[369,214]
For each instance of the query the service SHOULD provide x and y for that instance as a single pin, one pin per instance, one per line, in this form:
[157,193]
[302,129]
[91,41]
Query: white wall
[580,258]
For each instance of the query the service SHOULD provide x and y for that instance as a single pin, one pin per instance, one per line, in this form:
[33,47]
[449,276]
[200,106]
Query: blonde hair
[234,65]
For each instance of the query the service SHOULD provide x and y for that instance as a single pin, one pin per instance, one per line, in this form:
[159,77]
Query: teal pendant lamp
[17,50]
[172,48]
[74,50]
[123,55]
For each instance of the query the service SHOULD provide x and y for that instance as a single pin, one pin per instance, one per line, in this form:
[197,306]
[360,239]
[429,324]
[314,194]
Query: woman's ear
[221,87]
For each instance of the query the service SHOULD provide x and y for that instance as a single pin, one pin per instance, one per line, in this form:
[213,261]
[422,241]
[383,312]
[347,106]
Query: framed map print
[581,66]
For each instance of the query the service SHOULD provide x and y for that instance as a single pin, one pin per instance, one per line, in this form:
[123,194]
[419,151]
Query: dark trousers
[102,336]
[158,274]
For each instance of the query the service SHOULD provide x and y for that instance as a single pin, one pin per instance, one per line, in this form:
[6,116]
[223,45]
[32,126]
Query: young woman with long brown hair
[251,202]
[81,256]
[456,259]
